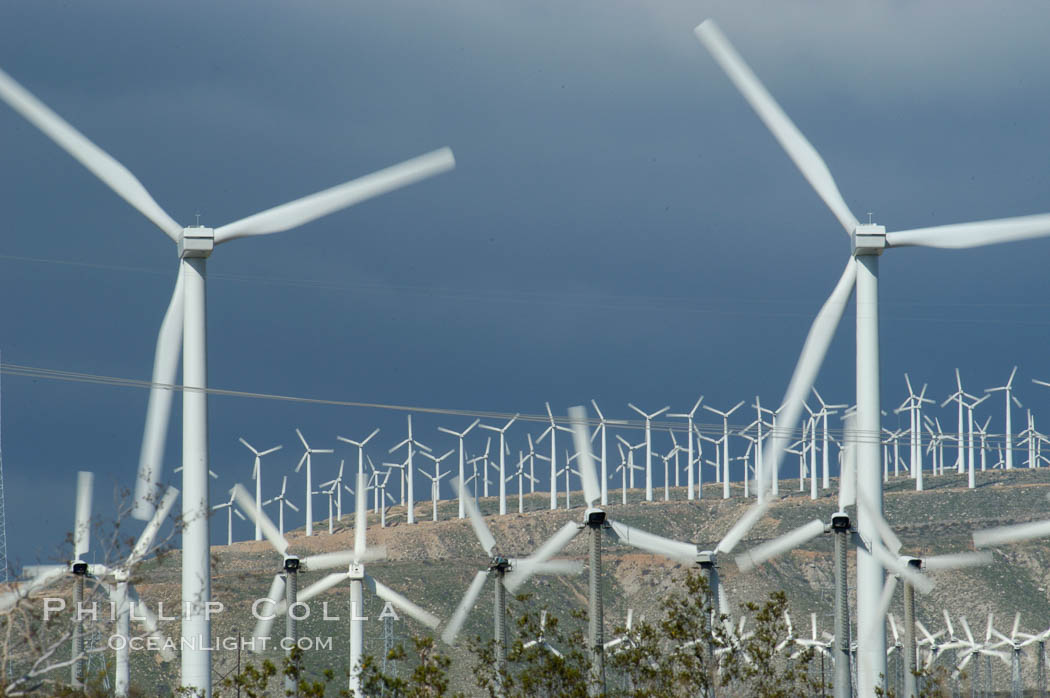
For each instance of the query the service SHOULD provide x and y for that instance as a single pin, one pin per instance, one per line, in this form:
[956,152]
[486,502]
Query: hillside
[433,562]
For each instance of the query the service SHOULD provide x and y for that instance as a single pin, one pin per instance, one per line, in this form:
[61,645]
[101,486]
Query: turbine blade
[148,620]
[741,528]
[327,561]
[97,161]
[488,543]
[82,531]
[976,234]
[149,534]
[658,545]
[778,546]
[264,624]
[821,332]
[1011,534]
[43,578]
[320,586]
[585,460]
[801,152]
[387,594]
[158,407]
[886,534]
[247,505]
[957,560]
[455,623]
[551,547]
[892,562]
[309,208]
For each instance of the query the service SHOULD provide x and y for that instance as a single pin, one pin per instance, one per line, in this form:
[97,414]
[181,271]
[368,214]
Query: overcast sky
[620,225]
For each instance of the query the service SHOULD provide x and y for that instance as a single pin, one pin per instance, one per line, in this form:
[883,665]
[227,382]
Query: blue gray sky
[620,225]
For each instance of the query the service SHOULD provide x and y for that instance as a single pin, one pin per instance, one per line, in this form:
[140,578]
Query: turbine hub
[356,571]
[705,558]
[196,241]
[840,521]
[594,517]
[291,564]
[499,562]
[868,238]
[80,568]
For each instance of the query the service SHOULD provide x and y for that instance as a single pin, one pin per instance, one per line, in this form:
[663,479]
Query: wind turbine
[286,583]
[649,447]
[725,444]
[862,270]
[540,640]
[959,396]
[1007,391]
[281,502]
[257,476]
[823,413]
[603,428]
[185,319]
[508,574]
[230,511]
[460,435]
[360,451]
[336,492]
[502,460]
[307,458]
[552,432]
[408,471]
[690,483]
[435,480]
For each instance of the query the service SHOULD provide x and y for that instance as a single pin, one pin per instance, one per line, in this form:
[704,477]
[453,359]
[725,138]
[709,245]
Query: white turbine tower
[1007,391]
[257,476]
[308,459]
[462,455]
[725,444]
[690,482]
[862,270]
[185,320]
[502,460]
[408,472]
[649,447]
[823,413]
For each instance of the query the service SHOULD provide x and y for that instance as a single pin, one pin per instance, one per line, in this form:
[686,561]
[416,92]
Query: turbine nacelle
[291,564]
[79,567]
[356,572]
[196,241]
[706,558]
[840,521]
[868,238]
[594,516]
[499,562]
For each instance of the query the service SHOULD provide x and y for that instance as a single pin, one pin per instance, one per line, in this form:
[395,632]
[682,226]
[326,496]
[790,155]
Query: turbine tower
[185,319]
[867,243]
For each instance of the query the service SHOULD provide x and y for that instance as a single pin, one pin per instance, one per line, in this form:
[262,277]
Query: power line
[707,429]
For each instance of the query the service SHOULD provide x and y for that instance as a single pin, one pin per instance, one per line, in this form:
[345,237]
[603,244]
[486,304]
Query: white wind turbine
[603,428]
[508,574]
[540,640]
[552,432]
[823,413]
[185,320]
[502,460]
[435,479]
[862,270]
[281,500]
[408,472]
[462,454]
[959,396]
[308,458]
[360,451]
[649,447]
[230,511]
[690,483]
[522,476]
[1007,391]
[335,492]
[631,466]
[257,476]
[725,444]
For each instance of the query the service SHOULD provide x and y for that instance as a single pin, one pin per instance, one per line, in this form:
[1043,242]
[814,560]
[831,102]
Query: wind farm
[654,385]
